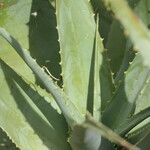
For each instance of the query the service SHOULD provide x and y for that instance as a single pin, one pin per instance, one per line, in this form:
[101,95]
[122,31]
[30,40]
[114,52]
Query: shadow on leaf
[52,128]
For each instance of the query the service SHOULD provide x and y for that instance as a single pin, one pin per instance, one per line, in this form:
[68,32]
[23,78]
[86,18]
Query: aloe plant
[75,80]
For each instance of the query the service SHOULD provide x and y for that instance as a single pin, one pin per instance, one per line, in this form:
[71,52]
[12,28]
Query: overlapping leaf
[127,94]
[30,119]
[25,114]
[76,27]
[139,34]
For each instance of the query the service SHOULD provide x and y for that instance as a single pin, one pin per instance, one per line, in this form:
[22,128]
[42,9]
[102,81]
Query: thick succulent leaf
[124,100]
[100,80]
[133,121]
[128,93]
[141,137]
[15,21]
[34,26]
[68,109]
[27,116]
[76,28]
[105,18]
[127,60]
[116,44]
[134,27]
[142,10]
[106,82]
[43,43]
[21,22]
[5,142]
[126,46]
[19,28]
[94,91]
[143,99]
[120,52]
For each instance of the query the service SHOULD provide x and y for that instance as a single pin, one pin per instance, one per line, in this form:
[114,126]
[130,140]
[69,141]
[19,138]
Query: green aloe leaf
[30,119]
[134,27]
[33,26]
[133,121]
[129,55]
[94,89]
[141,137]
[68,109]
[78,43]
[105,18]
[106,82]
[120,52]
[142,101]
[43,43]
[128,93]
[76,28]
[20,28]
[5,142]
[142,10]
[116,44]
